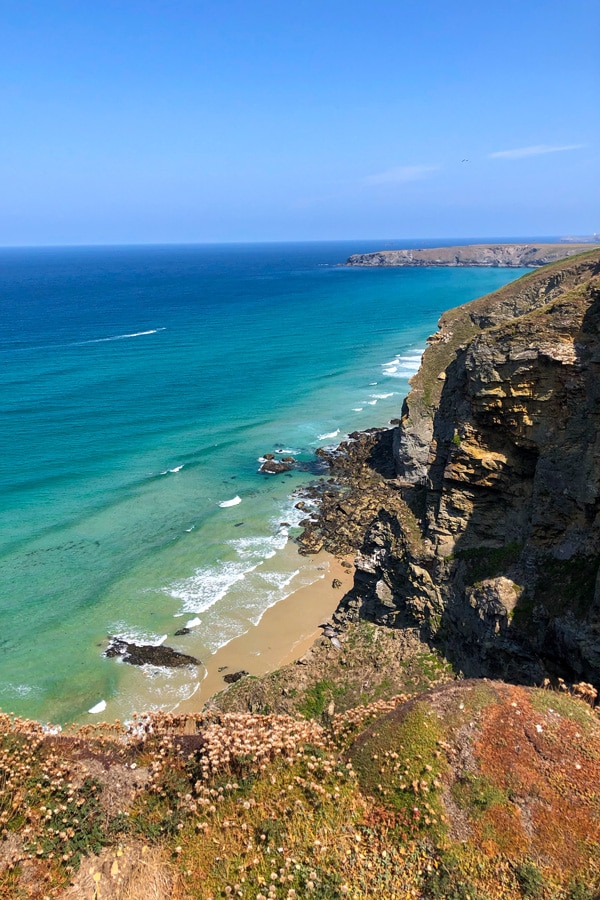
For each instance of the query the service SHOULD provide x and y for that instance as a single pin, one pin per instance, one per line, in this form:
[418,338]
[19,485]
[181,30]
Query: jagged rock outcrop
[487,538]
[499,255]
[148,654]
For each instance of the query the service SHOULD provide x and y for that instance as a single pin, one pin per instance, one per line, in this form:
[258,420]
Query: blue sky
[181,120]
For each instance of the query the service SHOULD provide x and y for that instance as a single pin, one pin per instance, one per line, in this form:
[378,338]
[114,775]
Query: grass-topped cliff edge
[509,255]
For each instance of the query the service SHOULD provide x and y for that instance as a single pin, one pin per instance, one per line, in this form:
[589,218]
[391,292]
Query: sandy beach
[284,633]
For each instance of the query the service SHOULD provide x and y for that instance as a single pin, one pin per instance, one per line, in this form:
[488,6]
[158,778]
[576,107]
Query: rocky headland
[475,519]
[499,255]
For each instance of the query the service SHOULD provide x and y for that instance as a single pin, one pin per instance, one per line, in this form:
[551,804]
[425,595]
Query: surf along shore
[288,629]
[284,634]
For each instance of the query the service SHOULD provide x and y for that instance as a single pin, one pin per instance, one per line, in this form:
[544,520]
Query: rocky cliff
[476,518]
[505,255]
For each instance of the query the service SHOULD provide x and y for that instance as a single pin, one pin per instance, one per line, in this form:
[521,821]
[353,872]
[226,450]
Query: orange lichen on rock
[548,765]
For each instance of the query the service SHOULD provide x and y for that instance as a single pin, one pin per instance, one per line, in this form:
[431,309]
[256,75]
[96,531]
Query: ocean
[140,387]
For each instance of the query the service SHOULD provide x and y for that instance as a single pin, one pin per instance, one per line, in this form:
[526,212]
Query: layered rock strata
[499,255]
[476,518]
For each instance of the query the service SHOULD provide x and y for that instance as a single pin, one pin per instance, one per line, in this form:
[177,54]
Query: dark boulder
[149,654]
[273,466]
[232,677]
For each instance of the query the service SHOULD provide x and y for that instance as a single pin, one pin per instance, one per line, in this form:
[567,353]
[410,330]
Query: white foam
[239,589]
[98,708]
[289,452]
[190,529]
[279,579]
[256,549]
[193,623]
[290,514]
[210,584]
[207,586]
[123,632]
[371,402]
[402,370]
[120,337]
[383,396]
[19,690]
[357,409]
[331,434]
[372,383]
[234,502]
[177,468]
[282,582]
[404,365]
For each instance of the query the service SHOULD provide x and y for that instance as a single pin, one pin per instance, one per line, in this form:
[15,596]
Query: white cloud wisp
[537,150]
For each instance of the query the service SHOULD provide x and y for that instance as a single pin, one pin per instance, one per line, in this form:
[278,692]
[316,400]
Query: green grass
[566,706]
[531,881]
[399,764]
[488,562]
[476,794]
[317,698]
[567,584]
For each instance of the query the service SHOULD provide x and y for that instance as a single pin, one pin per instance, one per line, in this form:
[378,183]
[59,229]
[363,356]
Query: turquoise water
[139,388]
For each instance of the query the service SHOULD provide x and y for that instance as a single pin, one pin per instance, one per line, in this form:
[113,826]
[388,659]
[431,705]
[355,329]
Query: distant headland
[499,255]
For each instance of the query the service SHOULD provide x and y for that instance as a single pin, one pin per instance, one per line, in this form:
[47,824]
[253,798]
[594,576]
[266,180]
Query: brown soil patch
[132,872]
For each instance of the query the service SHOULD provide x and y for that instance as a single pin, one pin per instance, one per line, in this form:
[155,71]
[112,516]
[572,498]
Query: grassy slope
[471,790]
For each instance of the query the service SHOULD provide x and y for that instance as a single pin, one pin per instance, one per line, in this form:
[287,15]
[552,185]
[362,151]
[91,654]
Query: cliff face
[514,255]
[498,461]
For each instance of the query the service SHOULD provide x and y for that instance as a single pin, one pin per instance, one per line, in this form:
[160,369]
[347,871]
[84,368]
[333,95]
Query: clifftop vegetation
[473,790]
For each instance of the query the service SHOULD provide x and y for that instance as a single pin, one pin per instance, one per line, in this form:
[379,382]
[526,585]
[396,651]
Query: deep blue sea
[139,387]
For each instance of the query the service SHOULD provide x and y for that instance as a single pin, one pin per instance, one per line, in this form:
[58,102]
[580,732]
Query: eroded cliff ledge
[501,255]
[483,532]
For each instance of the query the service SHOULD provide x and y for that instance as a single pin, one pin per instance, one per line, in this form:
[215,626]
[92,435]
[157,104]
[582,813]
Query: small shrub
[448,882]
[476,794]
[530,879]
[71,829]
[317,698]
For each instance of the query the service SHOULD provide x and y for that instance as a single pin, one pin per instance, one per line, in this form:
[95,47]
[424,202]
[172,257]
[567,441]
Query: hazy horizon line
[584,238]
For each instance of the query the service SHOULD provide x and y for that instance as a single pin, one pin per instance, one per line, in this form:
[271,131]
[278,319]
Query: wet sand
[284,633]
